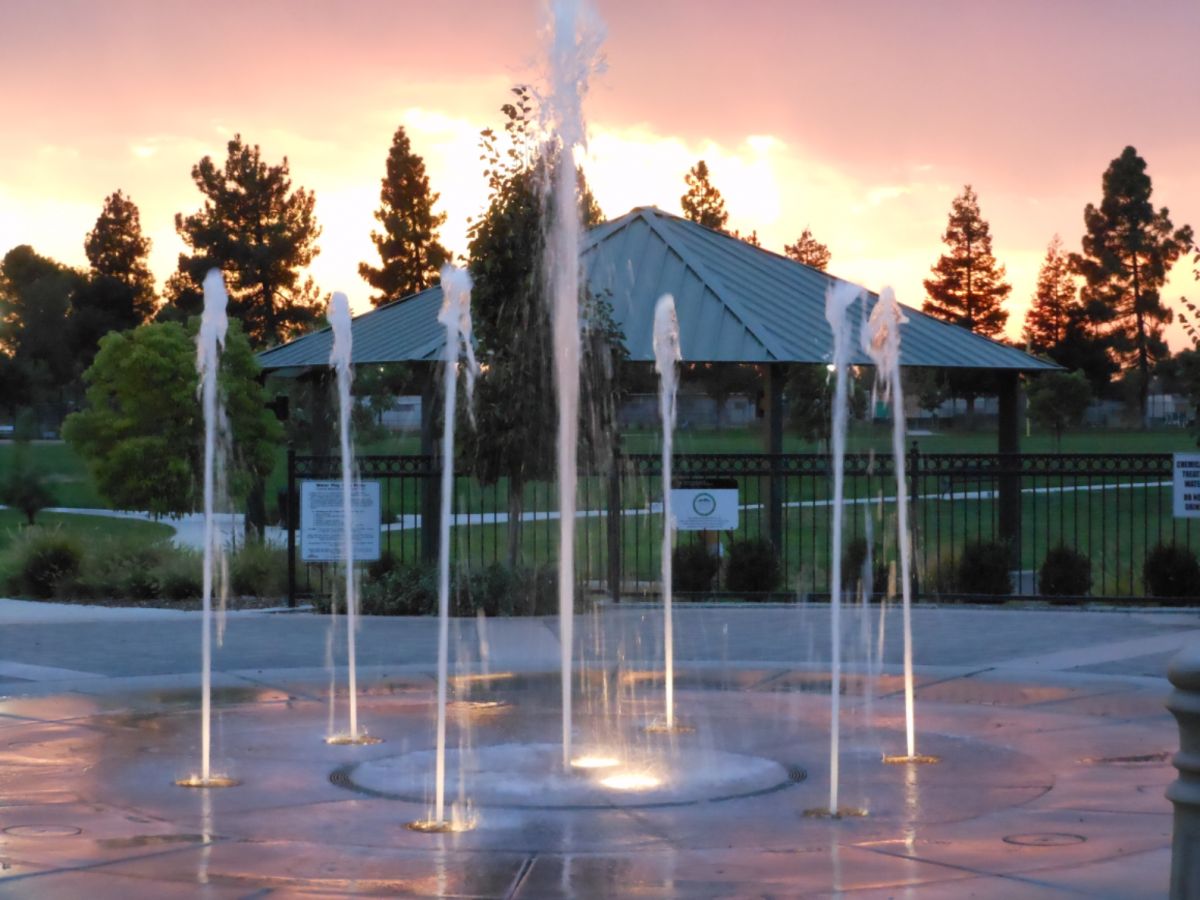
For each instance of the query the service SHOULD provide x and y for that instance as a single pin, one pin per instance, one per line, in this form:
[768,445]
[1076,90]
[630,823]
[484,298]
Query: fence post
[292,512]
[614,526]
[776,375]
[914,466]
[1184,792]
[1009,445]
[430,485]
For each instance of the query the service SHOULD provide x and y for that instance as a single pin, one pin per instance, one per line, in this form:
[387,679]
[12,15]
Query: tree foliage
[809,390]
[1059,401]
[35,302]
[516,412]
[260,234]
[117,249]
[143,430]
[809,250]
[409,250]
[1055,302]
[702,202]
[1128,249]
[968,286]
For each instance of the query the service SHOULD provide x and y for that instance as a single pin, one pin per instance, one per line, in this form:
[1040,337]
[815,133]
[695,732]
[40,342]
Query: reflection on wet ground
[88,808]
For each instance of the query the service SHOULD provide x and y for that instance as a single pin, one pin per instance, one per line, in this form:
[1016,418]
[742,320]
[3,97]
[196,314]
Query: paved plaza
[1050,725]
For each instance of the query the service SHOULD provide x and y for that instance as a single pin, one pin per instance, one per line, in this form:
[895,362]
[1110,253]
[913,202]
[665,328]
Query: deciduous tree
[261,234]
[1059,401]
[142,432]
[411,254]
[1128,249]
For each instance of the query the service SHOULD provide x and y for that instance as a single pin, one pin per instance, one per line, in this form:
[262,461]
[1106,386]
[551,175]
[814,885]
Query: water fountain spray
[339,359]
[881,341]
[209,343]
[456,317]
[575,40]
[837,302]
[666,358]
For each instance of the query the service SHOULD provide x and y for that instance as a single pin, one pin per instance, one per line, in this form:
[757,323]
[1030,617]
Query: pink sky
[861,119]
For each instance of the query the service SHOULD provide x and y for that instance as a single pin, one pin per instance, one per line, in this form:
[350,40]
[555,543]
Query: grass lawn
[67,477]
[85,528]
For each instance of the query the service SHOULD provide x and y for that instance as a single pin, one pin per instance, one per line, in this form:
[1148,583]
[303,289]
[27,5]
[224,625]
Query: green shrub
[984,568]
[693,568]
[1171,571]
[411,589]
[257,570]
[855,558]
[380,569]
[752,567]
[181,574]
[1065,573]
[39,560]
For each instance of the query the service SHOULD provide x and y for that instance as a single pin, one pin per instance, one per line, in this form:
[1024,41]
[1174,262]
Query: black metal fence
[1111,507]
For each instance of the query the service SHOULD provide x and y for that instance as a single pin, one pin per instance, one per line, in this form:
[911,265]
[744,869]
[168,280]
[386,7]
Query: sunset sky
[860,119]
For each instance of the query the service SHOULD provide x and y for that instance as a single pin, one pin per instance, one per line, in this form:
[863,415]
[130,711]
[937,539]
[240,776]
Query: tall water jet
[209,343]
[455,316]
[339,358]
[666,358]
[881,341]
[837,301]
[575,39]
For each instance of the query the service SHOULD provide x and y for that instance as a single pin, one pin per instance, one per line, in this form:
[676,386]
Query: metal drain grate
[796,775]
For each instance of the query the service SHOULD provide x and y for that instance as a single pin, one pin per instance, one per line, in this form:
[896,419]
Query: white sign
[1187,485]
[321,520]
[705,508]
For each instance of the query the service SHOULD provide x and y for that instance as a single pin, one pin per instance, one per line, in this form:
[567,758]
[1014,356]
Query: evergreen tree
[808,250]
[116,248]
[118,293]
[702,202]
[409,249]
[1054,301]
[260,234]
[968,286]
[1128,250]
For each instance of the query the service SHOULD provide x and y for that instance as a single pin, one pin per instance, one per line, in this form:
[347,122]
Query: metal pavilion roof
[735,303]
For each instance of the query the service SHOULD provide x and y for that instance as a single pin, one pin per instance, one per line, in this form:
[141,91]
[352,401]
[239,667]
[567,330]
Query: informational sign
[705,504]
[321,528]
[1187,485]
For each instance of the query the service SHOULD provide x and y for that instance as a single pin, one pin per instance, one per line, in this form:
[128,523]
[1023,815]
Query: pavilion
[736,303]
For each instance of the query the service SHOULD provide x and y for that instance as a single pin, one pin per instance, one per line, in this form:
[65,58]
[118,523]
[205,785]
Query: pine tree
[1054,305]
[118,293]
[702,203]
[1128,250]
[116,248]
[809,250]
[409,248]
[968,286]
[261,234]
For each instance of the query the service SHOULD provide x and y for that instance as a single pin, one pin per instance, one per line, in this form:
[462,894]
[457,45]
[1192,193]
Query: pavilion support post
[321,413]
[1010,445]
[776,375]
[431,499]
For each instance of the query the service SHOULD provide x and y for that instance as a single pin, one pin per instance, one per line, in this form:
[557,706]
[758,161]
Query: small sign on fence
[1186,469]
[321,520]
[705,504]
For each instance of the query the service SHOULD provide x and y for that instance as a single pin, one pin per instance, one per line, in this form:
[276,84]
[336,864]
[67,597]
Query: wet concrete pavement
[1054,740]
